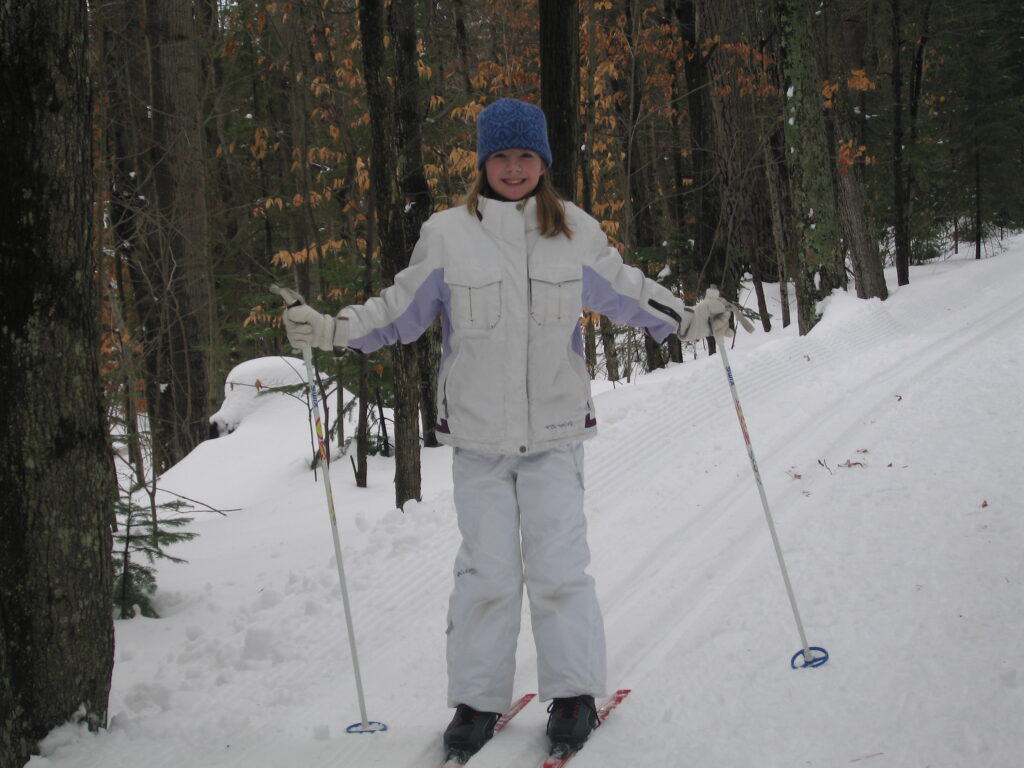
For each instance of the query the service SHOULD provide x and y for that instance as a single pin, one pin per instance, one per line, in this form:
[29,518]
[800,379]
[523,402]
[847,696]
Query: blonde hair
[550,205]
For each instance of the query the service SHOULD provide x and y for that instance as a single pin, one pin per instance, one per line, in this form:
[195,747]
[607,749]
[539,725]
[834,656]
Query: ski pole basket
[809,657]
[371,727]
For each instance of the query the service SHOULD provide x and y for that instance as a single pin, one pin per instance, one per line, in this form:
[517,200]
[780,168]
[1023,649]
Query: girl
[509,273]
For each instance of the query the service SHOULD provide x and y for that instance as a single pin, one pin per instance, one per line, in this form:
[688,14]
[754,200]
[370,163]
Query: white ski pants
[522,521]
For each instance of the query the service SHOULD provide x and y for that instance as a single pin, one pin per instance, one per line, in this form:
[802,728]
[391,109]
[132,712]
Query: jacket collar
[507,220]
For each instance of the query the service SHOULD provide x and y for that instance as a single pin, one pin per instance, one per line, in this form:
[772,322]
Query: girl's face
[514,173]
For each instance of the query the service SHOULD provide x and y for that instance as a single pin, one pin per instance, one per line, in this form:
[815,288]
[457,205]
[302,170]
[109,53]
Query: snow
[890,446]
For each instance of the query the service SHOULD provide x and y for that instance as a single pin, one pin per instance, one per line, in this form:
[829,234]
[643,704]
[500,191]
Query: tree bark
[394,253]
[590,344]
[868,275]
[587,189]
[413,187]
[865,256]
[821,266]
[913,109]
[640,232]
[611,352]
[560,88]
[707,244]
[462,43]
[179,236]
[977,202]
[56,631]
[901,224]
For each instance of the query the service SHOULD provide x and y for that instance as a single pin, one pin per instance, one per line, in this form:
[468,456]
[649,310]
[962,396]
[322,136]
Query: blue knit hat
[511,124]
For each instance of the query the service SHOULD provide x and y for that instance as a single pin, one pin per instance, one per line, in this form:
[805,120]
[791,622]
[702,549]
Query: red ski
[457,760]
[606,708]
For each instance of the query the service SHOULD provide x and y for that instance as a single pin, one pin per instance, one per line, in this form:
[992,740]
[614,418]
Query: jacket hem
[509,449]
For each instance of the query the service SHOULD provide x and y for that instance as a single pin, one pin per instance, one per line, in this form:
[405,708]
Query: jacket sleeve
[403,311]
[624,293]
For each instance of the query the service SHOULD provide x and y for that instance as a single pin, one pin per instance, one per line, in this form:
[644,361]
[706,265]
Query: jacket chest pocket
[476,297]
[556,293]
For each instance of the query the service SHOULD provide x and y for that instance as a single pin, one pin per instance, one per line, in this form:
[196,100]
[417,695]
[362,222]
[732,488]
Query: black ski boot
[467,732]
[570,724]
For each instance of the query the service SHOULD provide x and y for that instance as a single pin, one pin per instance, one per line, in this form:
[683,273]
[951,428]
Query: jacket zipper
[526,319]
[529,302]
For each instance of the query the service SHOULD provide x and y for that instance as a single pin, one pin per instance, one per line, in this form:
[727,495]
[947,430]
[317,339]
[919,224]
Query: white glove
[303,324]
[710,317]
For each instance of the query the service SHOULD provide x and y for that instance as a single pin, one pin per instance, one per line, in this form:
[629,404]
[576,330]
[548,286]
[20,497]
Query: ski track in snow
[912,585]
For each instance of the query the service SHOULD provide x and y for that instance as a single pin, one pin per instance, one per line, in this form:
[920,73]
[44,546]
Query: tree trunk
[865,257]
[611,353]
[782,213]
[762,305]
[977,202]
[394,253]
[363,393]
[587,190]
[56,632]
[462,43]
[821,264]
[590,344]
[640,235]
[560,88]
[709,251]
[412,184]
[868,276]
[916,80]
[901,224]
[181,242]
[134,214]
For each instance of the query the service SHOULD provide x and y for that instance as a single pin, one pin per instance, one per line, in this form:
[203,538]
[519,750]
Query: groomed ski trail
[697,619]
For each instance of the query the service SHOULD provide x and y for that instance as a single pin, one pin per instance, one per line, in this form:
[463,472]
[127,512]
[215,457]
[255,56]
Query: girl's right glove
[710,317]
[303,324]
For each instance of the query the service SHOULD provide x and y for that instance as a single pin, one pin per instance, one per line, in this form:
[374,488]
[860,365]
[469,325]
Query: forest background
[167,160]
[305,142]
[239,143]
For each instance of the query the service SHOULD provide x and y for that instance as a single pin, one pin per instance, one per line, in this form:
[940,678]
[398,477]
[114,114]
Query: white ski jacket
[512,378]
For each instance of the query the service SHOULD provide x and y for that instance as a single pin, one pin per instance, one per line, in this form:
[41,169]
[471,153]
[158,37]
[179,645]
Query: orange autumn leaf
[859,81]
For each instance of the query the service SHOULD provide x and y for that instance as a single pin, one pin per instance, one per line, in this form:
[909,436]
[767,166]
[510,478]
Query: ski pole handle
[737,311]
[291,298]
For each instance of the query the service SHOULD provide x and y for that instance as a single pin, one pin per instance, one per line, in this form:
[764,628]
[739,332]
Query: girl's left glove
[710,317]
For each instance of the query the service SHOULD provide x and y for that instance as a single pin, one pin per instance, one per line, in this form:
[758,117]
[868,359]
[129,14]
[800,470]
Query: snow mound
[245,389]
[844,315]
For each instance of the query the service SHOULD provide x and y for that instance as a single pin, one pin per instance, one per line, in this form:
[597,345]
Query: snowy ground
[891,447]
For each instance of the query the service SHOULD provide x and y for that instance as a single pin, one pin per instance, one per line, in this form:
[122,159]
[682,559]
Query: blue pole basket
[371,727]
[818,657]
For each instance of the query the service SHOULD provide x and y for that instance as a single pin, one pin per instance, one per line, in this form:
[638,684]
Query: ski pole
[807,651]
[293,299]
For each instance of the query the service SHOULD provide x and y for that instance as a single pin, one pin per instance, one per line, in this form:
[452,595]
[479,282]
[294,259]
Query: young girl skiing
[509,272]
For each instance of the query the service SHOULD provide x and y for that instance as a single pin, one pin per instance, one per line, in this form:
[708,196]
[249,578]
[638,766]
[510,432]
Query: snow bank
[245,388]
